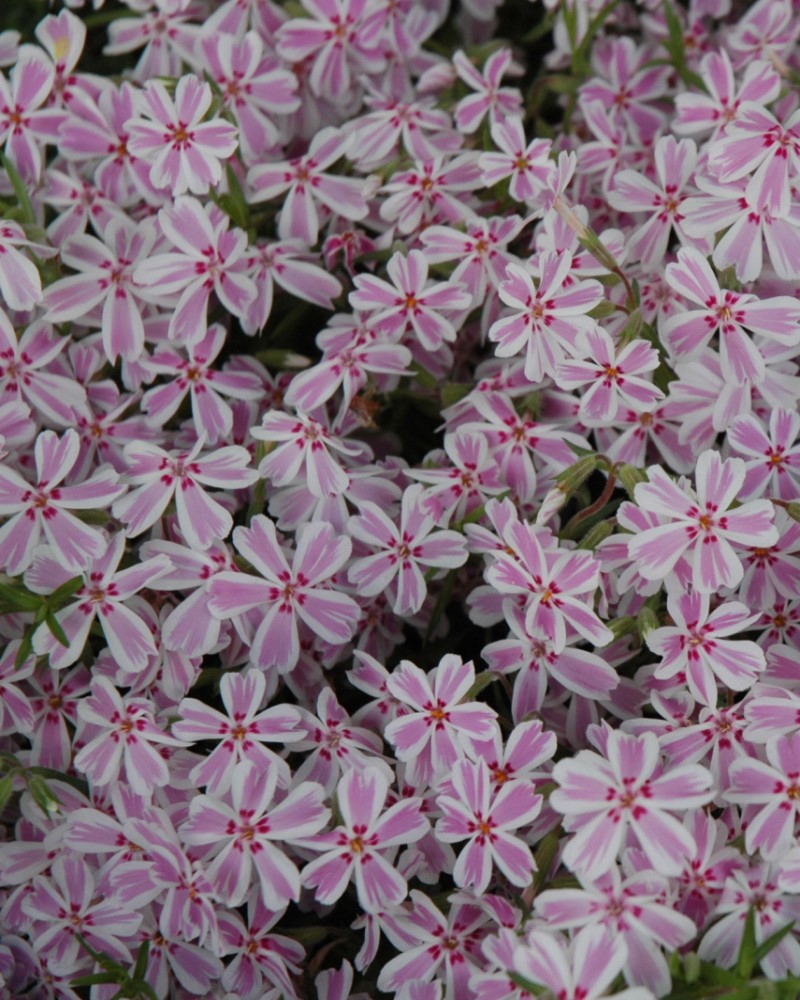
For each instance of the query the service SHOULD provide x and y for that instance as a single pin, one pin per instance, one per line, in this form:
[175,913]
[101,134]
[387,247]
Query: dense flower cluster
[399,500]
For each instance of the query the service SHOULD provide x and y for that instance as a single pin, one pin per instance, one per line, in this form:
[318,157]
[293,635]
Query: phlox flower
[755,889]
[758,146]
[193,375]
[300,448]
[288,264]
[121,735]
[303,182]
[707,869]
[771,712]
[636,909]
[20,284]
[772,458]
[240,731]
[209,256]
[436,947]
[527,164]
[488,818]
[408,302]
[696,646]
[605,798]
[774,787]
[360,848]
[556,585]
[401,550]
[103,597]
[584,969]
[701,525]
[16,712]
[253,88]
[184,151]
[432,191]
[334,744]
[105,278]
[488,97]
[726,313]
[612,376]
[259,957]
[44,507]
[675,163]
[25,126]
[241,835]
[65,903]
[286,593]
[158,476]
[549,318]
[55,696]
[437,730]
[336,36]
[713,111]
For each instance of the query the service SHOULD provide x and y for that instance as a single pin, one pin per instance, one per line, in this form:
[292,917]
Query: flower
[701,525]
[241,836]
[184,151]
[603,798]
[360,848]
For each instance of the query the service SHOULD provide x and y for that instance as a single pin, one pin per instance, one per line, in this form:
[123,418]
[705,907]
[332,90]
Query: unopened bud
[630,477]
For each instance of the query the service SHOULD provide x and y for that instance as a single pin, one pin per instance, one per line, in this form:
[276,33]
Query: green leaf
[25,648]
[44,797]
[534,989]
[141,959]
[96,979]
[632,328]
[545,852]
[55,627]
[453,392]
[18,596]
[6,790]
[771,942]
[64,592]
[27,215]
[746,960]
[483,680]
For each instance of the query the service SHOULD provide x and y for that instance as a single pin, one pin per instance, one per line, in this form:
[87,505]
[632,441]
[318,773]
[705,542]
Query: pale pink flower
[612,376]
[437,730]
[25,373]
[401,550]
[65,903]
[636,909]
[557,586]
[727,314]
[696,645]
[584,969]
[102,597]
[605,798]
[259,957]
[193,375]
[16,712]
[675,164]
[701,525]
[167,40]
[20,284]
[361,848]
[304,181]
[105,279]
[772,458]
[758,146]
[63,37]
[286,593]
[712,112]
[431,191]
[549,319]
[25,126]
[55,696]
[488,97]
[773,786]
[755,889]
[123,735]
[254,89]
[239,734]
[44,507]
[488,817]
[209,257]
[336,36]
[409,302]
[184,151]
[241,836]
[300,447]
[288,264]
[527,164]
[160,476]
